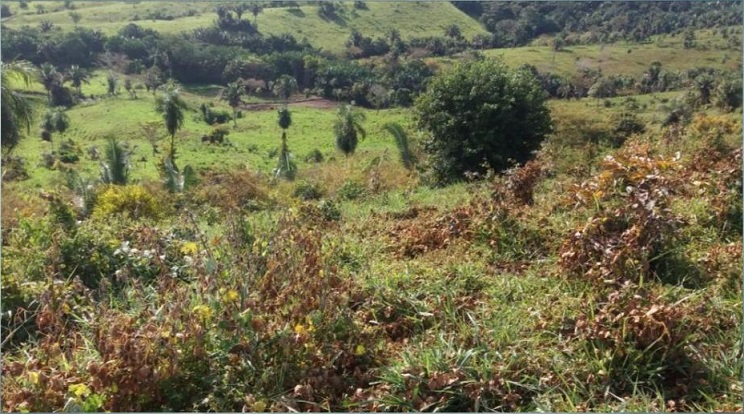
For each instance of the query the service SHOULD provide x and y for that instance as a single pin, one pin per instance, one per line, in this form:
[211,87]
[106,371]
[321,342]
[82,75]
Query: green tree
[45,26]
[232,95]
[50,78]
[702,89]
[171,106]
[111,83]
[77,76]
[153,79]
[40,9]
[602,88]
[689,39]
[559,41]
[55,120]
[17,112]
[255,9]
[76,17]
[453,31]
[728,95]
[129,88]
[348,128]
[284,87]
[481,115]
[285,168]
[285,118]
[240,9]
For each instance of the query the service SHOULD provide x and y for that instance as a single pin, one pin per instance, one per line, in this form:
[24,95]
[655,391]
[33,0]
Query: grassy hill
[411,19]
[622,58]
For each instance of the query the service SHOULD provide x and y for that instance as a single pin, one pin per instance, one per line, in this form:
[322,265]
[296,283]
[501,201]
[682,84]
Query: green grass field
[256,135]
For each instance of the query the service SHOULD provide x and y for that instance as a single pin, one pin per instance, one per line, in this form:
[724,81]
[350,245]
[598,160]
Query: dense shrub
[481,115]
[132,200]
[351,190]
[625,125]
[314,156]
[307,191]
[69,152]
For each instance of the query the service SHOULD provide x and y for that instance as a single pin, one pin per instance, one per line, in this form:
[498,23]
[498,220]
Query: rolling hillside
[411,19]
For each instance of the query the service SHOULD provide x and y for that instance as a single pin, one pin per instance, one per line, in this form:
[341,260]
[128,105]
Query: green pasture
[411,19]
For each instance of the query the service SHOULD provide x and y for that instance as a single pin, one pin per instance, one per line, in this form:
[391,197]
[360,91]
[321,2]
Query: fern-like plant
[401,141]
[177,181]
[115,168]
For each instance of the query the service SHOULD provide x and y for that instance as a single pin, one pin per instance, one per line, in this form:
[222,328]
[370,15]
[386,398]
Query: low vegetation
[367,217]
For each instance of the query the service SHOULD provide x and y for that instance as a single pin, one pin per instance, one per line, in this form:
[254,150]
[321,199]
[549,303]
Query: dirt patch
[311,102]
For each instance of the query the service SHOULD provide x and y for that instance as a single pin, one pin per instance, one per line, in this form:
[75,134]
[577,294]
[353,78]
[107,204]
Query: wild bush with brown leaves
[632,223]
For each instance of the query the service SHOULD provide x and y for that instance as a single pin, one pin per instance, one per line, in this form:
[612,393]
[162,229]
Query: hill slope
[410,19]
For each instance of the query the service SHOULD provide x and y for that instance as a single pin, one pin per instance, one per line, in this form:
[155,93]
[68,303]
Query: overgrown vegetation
[321,245]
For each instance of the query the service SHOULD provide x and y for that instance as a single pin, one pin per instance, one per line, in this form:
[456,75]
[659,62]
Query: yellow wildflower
[79,390]
[232,295]
[189,248]
[205,312]
[360,350]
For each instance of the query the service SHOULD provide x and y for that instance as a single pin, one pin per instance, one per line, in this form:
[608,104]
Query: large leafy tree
[17,112]
[481,115]
[232,95]
[348,128]
[171,106]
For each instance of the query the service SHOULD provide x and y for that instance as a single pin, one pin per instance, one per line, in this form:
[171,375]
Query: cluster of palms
[51,78]
[17,115]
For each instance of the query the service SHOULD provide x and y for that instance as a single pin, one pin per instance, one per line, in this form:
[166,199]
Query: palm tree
[128,86]
[232,95]
[240,9]
[55,120]
[255,9]
[286,167]
[284,87]
[285,118]
[111,82]
[50,78]
[171,106]
[401,141]
[347,129]
[116,168]
[45,25]
[77,76]
[76,17]
[703,87]
[17,113]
